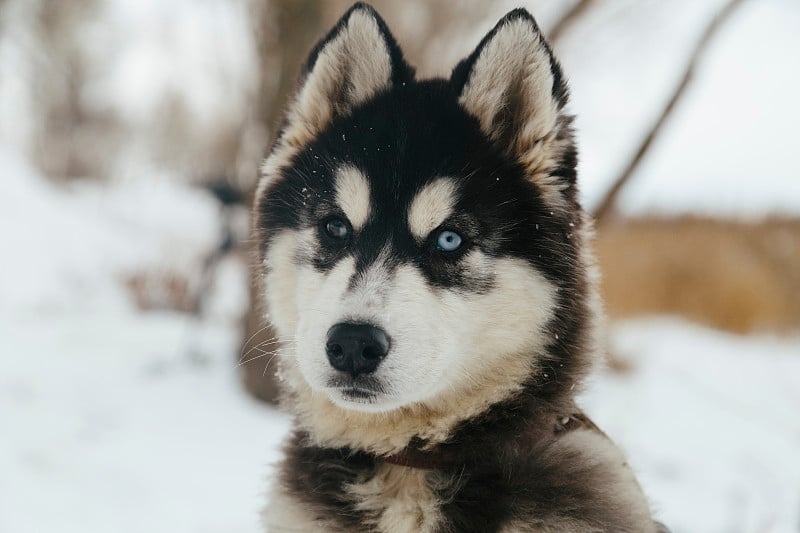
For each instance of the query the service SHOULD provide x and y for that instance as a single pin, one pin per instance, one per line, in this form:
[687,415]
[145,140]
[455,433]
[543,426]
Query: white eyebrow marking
[352,195]
[431,206]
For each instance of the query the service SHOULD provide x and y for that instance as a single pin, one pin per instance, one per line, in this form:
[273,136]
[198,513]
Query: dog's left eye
[448,241]
[337,229]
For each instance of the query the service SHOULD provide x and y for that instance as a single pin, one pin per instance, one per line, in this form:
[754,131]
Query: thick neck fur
[453,420]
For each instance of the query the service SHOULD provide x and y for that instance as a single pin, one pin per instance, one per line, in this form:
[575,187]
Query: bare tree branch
[606,206]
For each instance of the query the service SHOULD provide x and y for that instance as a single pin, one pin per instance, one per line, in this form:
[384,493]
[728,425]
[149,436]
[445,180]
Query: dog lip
[363,388]
[361,383]
[357,393]
[357,390]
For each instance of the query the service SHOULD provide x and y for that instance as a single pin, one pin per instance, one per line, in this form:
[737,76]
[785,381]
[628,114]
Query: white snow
[709,421]
[125,422]
[112,419]
[118,420]
[121,421]
[73,246]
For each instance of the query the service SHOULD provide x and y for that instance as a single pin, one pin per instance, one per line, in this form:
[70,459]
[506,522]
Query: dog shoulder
[581,482]
[578,481]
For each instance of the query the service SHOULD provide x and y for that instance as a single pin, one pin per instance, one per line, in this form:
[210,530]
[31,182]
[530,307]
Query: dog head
[422,241]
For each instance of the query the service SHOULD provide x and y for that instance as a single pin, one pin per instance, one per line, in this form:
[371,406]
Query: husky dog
[426,263]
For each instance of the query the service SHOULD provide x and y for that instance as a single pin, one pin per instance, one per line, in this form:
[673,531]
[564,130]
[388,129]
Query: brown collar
[448,456]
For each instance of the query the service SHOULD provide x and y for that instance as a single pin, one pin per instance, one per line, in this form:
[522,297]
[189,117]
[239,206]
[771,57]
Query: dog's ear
[358,59]
[514,86]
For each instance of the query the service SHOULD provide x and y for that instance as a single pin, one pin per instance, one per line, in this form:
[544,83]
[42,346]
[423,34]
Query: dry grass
[735,276]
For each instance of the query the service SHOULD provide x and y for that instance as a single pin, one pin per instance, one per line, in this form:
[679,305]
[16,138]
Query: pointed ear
[358,59]
[514,86]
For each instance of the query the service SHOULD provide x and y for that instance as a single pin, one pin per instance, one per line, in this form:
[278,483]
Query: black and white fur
[488,342]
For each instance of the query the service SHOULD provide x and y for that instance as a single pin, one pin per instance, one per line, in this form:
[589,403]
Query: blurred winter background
[133,371]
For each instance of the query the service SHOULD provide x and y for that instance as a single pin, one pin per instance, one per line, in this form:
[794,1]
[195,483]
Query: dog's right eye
[448,241]
[336,229]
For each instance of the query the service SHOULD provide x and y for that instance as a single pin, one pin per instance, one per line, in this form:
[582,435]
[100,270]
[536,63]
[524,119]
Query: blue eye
[336,228]
[448,241]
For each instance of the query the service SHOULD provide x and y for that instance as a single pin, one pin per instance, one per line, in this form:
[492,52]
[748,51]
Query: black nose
[356,348]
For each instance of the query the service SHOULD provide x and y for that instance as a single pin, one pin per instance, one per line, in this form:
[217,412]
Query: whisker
[284,338]
[253,336]
[263,344]
[263,374]
[262,354]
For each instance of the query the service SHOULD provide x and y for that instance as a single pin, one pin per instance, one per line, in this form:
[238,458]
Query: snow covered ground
[710,423]
[114,419]
[120,421]
[126,422]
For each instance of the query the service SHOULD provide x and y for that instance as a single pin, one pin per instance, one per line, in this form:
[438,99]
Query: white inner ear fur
[431,206]
[511,79]
[352,195]
[513,64]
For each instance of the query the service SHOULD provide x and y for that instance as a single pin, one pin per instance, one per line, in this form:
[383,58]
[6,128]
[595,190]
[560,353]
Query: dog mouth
[358,395]
[362,389]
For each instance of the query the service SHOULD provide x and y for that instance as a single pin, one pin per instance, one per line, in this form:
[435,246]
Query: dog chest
[399,499]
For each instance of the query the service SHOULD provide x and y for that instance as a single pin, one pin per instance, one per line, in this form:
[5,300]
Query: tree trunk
[286,30]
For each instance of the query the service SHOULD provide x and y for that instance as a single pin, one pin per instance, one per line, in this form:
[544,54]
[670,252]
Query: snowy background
[121,312]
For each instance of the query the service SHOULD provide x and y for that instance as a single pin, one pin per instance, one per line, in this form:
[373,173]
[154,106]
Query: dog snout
[356,348]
